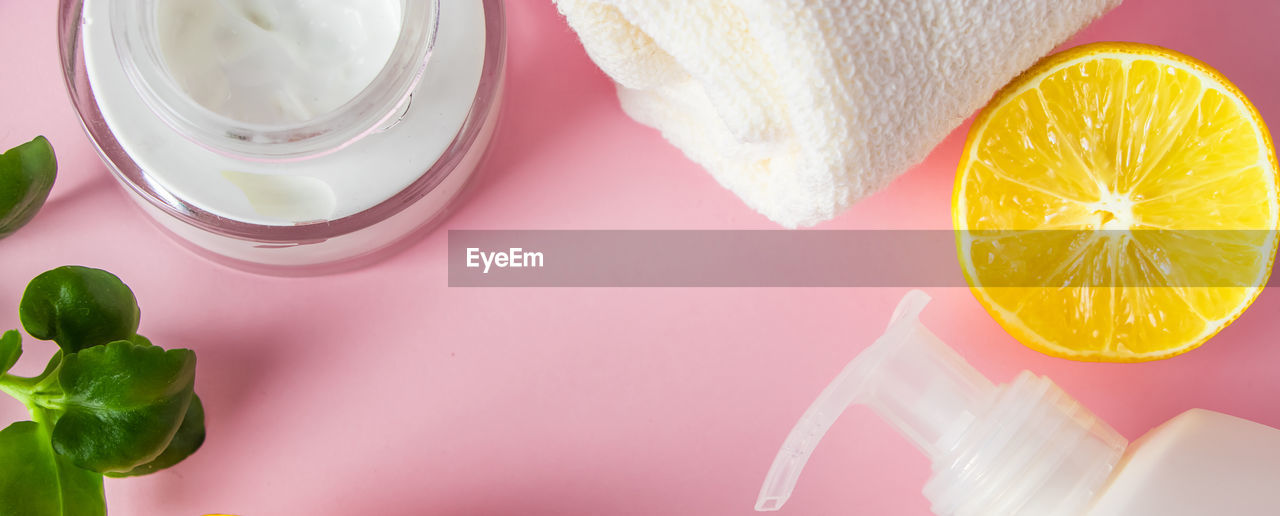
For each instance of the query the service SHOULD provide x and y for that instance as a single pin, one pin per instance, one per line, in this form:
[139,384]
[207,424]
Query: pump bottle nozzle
[1014,439]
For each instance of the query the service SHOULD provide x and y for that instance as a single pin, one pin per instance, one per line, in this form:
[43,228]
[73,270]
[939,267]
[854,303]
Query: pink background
[383,391]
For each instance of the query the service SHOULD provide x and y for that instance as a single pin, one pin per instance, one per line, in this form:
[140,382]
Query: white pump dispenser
[1024,447]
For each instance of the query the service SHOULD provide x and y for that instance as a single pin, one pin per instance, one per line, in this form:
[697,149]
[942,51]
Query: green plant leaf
[79,308]
[10,350]
[188,439]
[139,340]
[123,404]
[36,482]
[26,176]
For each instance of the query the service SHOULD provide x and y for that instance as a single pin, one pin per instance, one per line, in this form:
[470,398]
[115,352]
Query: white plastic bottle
[1028,448]
[1201,462]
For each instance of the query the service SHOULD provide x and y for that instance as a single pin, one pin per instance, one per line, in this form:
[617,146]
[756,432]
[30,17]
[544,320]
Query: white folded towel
[802,107]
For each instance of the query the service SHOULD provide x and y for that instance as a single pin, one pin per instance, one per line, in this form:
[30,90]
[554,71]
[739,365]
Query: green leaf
[139,340]
[26,176]
[36,482]
[123,403]
[188,439]
[78,308]
[53,363]
[10,350]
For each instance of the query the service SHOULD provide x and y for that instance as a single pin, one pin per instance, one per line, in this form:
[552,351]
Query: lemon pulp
[1117,202]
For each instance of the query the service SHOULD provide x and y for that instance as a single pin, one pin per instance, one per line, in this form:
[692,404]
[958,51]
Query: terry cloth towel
[803,107]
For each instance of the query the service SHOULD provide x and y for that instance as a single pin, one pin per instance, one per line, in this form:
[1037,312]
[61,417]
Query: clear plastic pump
[1024,447]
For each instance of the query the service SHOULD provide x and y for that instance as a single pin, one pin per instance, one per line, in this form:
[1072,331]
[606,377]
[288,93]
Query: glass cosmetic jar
[288,136]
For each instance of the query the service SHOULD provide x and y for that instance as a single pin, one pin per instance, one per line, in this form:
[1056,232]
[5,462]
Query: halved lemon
[1117,202]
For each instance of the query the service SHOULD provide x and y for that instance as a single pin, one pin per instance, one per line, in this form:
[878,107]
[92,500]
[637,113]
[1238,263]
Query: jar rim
[135,35]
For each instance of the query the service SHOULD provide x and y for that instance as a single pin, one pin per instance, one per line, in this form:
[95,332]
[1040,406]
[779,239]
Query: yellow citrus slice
[1117,202]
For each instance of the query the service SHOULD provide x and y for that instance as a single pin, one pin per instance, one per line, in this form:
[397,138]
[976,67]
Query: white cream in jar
[276,61]
[272,133]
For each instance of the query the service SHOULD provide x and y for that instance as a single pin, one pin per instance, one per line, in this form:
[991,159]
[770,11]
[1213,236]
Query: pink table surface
[382,391]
